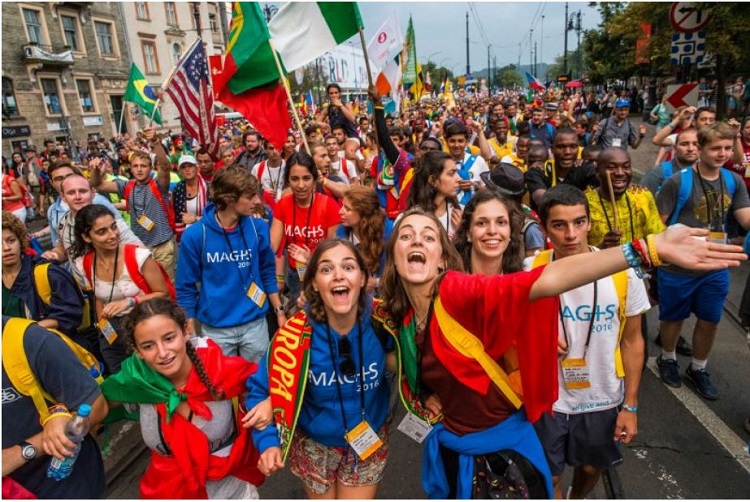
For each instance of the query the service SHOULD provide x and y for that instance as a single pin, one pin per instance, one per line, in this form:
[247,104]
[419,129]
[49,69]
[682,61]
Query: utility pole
[489,69]
[541,44]
[468,64]
[531,51]
[578,44]
[536,54]
[565,48]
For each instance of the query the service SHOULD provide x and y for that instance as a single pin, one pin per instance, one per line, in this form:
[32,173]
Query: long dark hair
[364,200]
[167,308]
[396,301]
[85,220]
[513,256]
[317,308]
[427,170]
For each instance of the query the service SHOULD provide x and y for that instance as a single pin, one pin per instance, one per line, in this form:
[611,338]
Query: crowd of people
[484,262]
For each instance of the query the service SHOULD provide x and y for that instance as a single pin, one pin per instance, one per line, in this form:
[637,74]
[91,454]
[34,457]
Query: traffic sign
[682,95]
[688,48]
[686,17]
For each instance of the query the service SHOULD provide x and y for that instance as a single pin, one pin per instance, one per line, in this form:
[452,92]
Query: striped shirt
[144,202]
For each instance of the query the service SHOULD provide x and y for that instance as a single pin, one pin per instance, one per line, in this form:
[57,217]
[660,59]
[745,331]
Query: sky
[440,29]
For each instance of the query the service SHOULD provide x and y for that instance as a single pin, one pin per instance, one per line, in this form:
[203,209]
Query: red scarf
[183,475]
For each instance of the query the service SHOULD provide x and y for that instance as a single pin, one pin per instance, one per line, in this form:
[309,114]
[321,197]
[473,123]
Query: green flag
[410,62]
[139,92]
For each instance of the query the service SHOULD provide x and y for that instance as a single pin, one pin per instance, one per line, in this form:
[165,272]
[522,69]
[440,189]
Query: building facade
[64,71]
[159,32]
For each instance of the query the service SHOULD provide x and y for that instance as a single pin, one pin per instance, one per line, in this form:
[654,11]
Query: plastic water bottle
[76,430]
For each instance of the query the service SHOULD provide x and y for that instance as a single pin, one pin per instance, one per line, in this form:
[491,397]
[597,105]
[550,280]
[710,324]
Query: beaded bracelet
[652,253]
[54,415]
[640,247]
[633,259]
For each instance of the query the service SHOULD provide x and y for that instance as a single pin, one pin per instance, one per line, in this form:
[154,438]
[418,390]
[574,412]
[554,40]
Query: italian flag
[303,31]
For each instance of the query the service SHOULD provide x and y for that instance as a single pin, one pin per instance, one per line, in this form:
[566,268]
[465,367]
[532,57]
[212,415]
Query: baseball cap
[186,159]
[506,179]
[622,103]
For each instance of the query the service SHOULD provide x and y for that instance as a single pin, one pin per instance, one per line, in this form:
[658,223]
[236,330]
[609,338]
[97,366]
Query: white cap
[186,159]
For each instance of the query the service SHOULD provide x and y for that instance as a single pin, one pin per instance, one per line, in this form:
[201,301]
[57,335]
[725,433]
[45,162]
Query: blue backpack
[686,188]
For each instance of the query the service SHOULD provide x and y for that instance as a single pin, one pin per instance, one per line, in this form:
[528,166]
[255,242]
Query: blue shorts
[681,295]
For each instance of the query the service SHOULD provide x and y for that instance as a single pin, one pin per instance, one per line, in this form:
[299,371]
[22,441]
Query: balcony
[47,55]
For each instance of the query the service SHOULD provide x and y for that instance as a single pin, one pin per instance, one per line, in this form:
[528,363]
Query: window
[141,11]
[104,38]
[176,53]
[149,56]
[10,107]
[33,21]
[51,96]
[85,96]
[193,6]
[212,23]
[171,10]
[70,32]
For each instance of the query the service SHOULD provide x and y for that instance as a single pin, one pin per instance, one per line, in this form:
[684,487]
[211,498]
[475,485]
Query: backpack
[19,372]
[686,188]
[131,263]
[667,172]
[168,209]
[44,290]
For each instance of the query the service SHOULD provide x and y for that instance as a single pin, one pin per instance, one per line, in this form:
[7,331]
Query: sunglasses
[345,350]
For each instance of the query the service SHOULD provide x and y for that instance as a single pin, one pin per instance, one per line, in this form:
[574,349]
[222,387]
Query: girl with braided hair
[185,389]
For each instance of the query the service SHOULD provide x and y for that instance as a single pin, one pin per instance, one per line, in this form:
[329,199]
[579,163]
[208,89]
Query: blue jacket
[66,306]
[321,415]
[225,264]
[515,433]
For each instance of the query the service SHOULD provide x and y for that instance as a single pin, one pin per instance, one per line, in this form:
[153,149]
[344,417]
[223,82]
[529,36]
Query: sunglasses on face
[346,367]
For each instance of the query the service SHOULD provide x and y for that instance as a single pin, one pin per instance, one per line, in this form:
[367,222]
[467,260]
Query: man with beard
[253,152]
[539,128]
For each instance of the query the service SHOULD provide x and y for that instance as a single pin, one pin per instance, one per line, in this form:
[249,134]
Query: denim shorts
[681,295]
[249,340]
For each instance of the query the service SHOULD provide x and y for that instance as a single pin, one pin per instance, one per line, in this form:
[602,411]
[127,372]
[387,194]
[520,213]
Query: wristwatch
[278,309]
[28,451]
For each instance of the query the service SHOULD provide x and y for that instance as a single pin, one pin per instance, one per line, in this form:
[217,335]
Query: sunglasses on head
[345,350]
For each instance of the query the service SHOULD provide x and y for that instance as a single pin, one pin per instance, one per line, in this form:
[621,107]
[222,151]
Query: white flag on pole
[386,41]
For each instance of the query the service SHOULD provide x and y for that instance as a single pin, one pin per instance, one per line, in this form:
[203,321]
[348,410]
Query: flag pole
[289,97]
[367,58]
[153,112]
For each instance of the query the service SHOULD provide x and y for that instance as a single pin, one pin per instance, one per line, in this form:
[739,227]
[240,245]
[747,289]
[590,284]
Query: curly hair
[364,201]
[514,254]
[14,224]
[167,308]
[427,170]
[85,220]
[395,299]
[231,183]
[315,301]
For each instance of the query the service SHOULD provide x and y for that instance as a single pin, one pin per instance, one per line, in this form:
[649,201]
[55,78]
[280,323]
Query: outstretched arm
[678,245]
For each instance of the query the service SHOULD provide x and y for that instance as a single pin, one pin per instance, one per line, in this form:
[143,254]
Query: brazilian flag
[140,93]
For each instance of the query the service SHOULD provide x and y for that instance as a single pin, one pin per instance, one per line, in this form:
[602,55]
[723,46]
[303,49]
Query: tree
[574,67]
[437,74]
[508,76]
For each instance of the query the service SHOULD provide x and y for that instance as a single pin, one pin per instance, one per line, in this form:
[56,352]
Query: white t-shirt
[348,175]
[272,177]
[607,390]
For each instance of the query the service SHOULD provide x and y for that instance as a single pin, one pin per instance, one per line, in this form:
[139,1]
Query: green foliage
[575,68]
[508,76]
[437,73]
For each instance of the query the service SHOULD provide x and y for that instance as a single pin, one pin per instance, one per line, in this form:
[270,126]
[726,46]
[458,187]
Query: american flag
[189,87]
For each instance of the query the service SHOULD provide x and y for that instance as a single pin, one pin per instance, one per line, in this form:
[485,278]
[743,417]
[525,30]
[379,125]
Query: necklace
[420,323]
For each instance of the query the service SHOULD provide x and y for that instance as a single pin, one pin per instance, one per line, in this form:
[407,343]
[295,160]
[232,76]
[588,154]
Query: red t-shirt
[306,226]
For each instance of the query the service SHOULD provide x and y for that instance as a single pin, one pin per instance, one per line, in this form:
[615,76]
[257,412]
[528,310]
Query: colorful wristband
[652,253]
[633,259]
[640,247]
[54,415]
[631,409]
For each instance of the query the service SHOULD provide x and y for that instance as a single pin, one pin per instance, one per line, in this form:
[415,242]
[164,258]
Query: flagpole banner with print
[385,43]
[189,87]
[140,92]
[410,54]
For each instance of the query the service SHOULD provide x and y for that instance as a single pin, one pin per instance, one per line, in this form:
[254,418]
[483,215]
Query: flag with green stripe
[303,31]
[139,92]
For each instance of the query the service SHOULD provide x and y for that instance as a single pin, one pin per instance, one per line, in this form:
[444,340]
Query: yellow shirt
[505,149]
[636,213]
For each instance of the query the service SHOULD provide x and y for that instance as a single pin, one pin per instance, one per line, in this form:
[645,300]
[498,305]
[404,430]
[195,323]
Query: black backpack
[507,474]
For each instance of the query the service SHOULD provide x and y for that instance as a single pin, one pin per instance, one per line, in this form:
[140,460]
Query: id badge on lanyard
[575,373]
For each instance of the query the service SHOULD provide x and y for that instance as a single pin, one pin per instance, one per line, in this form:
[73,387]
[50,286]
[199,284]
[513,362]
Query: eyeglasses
[345,350]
